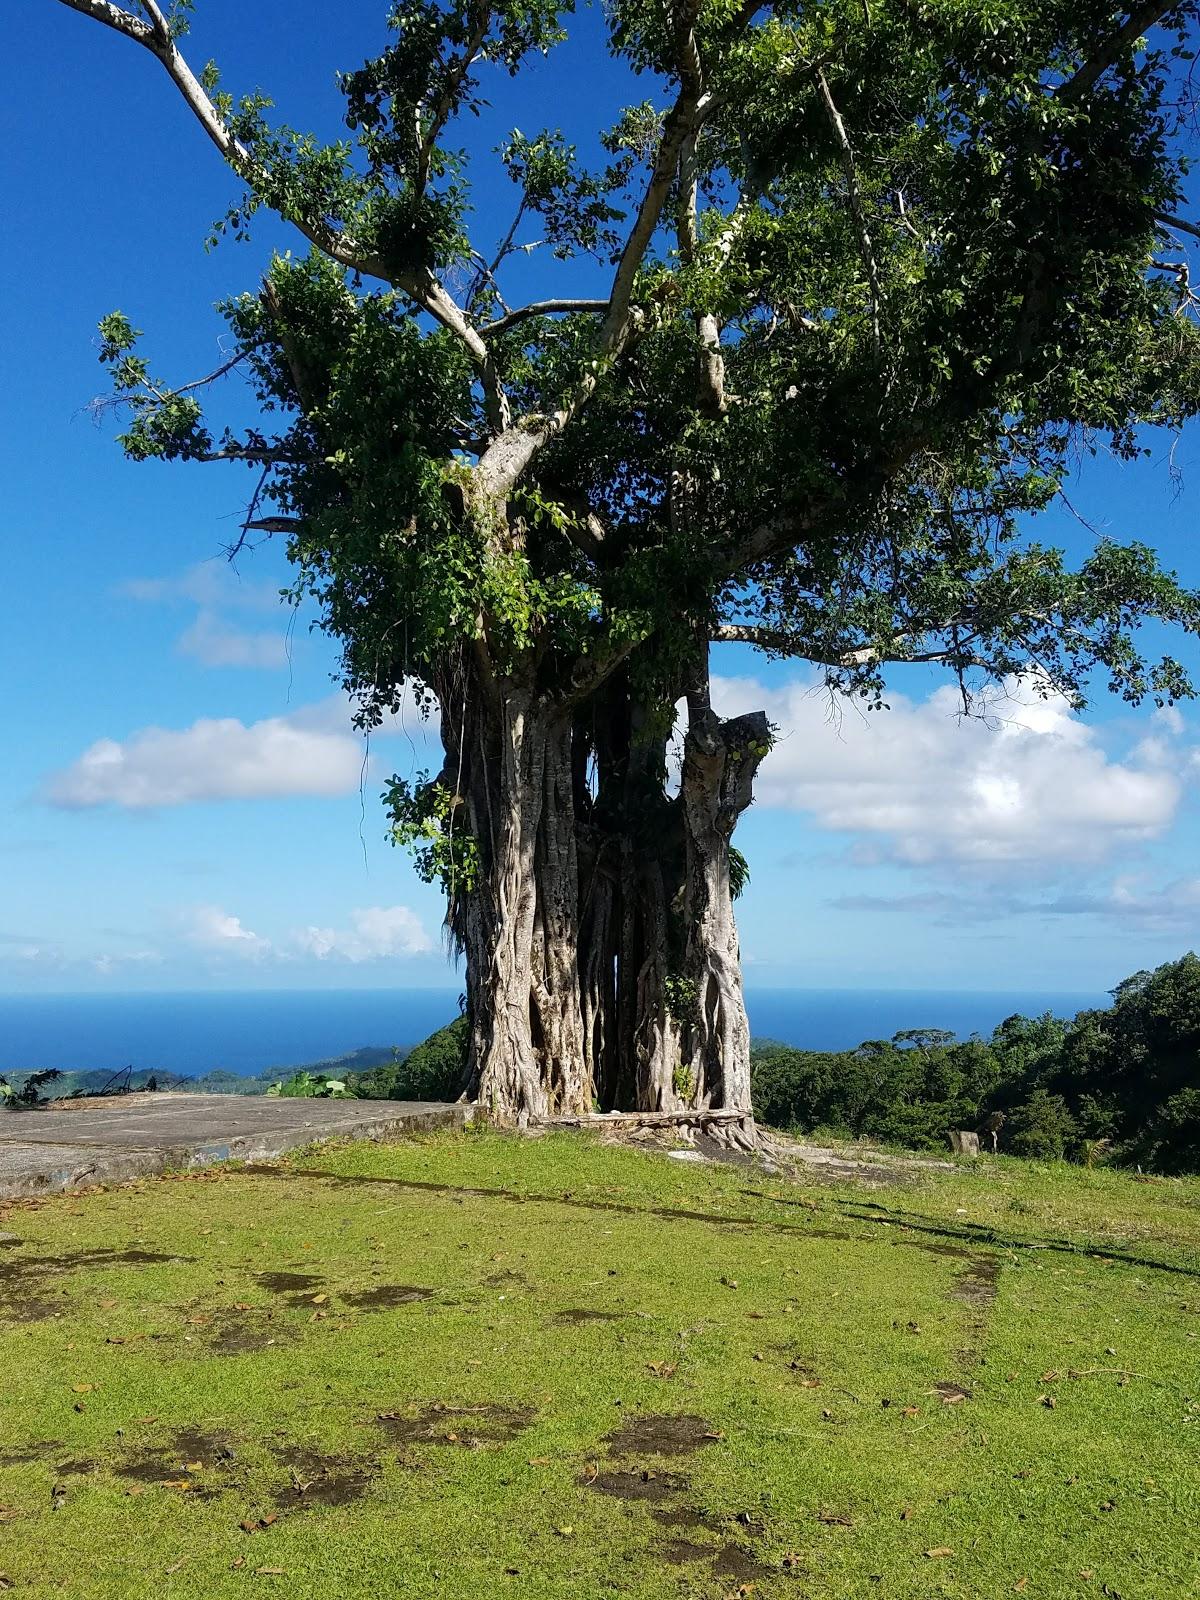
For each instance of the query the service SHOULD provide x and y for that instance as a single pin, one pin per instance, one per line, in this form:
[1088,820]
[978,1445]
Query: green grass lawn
[489,1367]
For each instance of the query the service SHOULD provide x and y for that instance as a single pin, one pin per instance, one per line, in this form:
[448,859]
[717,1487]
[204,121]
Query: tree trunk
[598,928]
[517,920]
[694,1041]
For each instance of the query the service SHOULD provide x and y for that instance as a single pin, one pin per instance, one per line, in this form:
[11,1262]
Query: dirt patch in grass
[185,1452]
[23,1455]
[24,1268]
[637,1484]
[740,1566]
[977,1286]
[469,1427]
[30,1310]
[683,1552]
[583,1314]
[507,1280]
[150,1468]
[234,1333]
[952,1393]
[679,1517]
[977,1282]
[661,1436]
[320,1480]
[388,1296]
[288,1282]
[210,1449]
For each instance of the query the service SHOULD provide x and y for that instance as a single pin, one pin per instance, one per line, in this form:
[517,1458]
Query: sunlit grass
[802,1331]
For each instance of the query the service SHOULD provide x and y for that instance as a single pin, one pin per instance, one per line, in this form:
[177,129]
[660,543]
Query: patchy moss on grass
[620,1375]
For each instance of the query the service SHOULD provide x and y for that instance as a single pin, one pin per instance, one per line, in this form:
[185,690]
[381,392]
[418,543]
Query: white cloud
[310,752]
[1031,782]
[376,932]
[107,964]
[210,928]
[208,583]
[217,644]
[49,955]
[1130,900]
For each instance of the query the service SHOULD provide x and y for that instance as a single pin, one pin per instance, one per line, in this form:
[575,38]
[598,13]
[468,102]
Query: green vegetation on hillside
[1121,1083]
[435,1070]
[483,1366]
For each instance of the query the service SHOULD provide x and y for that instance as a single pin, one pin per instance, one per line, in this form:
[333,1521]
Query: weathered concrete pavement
[71,1145]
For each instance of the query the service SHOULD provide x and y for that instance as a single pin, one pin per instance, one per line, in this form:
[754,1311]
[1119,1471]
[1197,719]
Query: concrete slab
[72,1144]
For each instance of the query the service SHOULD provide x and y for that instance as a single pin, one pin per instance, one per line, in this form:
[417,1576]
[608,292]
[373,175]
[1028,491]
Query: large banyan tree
[837,300]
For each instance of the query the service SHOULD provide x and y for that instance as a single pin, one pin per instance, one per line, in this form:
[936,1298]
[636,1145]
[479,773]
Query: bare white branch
[857,209]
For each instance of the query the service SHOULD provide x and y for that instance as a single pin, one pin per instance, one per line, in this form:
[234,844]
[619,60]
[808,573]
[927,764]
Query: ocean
[247,1032]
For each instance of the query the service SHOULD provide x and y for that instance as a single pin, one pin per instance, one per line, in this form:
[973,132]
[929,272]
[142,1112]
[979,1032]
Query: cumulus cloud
[208,583]
[216,644]
[375,932]
[313,750]
[1127,901]
[1133,900]
[217,758]
[921,784]
[110,963]
[209,928]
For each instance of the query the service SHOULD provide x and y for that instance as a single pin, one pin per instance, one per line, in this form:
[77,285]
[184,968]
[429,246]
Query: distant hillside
[217,1081]
[364,1059]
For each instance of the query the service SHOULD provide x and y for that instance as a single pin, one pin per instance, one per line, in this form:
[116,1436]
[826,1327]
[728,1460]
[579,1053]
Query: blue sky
[182,801]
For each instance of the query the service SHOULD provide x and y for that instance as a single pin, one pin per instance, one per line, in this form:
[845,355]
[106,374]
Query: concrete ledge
[75,1144]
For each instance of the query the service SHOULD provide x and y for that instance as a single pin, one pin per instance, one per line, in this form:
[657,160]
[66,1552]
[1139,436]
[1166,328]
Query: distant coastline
[251,1033]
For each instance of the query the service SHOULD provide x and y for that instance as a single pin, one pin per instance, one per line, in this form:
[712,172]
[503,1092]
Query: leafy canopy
[847,291]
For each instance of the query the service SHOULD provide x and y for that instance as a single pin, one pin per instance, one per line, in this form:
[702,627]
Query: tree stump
[963,1142]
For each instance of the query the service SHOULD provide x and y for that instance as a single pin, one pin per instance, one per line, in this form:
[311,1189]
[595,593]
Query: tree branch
[337,245]
[539,308]
[113,17]
[783,643]
[1146,15]
[504,461]
[444,104]
[857,210]
[1177,223]
[711,375]
[226,366]
[273,525]
[253,453]
[422,286]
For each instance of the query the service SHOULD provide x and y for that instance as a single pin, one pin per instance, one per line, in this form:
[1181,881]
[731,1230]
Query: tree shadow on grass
[960,1239]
